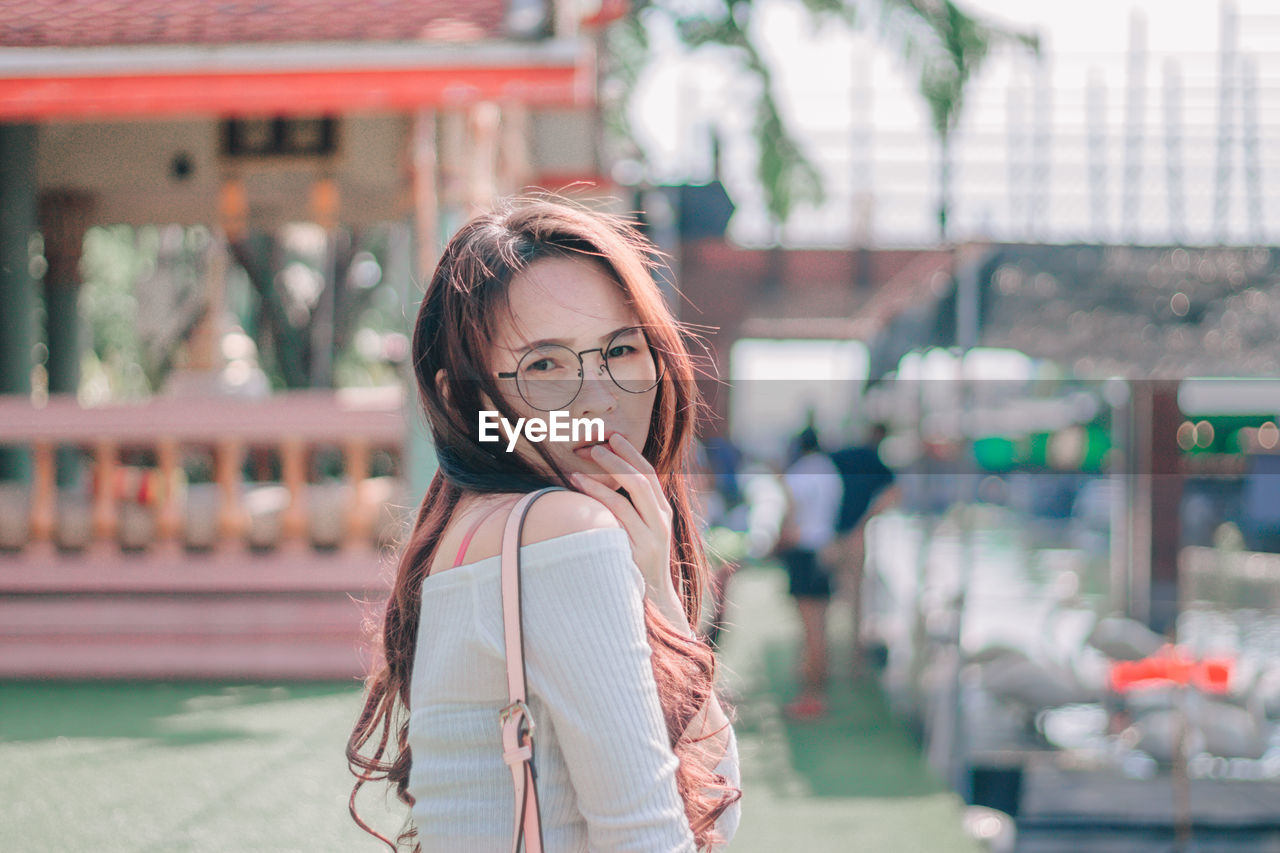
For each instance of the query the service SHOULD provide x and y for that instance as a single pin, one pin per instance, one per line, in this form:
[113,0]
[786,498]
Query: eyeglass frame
[604,363]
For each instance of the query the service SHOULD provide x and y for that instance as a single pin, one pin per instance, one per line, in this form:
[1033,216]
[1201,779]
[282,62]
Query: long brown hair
[458,315]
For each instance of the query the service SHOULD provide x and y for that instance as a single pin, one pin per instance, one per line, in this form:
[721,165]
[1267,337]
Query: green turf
[227,767]
[161,767]
[853,781]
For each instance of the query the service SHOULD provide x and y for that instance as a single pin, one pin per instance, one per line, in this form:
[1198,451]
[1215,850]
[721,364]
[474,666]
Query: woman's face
[563,304]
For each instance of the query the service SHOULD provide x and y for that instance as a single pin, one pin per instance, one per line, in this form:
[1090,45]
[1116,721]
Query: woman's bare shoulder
[555,514]
[561,513]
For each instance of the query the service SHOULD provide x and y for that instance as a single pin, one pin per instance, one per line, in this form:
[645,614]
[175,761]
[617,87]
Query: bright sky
[1029,161]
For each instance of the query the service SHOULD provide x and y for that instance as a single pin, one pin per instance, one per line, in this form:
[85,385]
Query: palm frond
[944,44]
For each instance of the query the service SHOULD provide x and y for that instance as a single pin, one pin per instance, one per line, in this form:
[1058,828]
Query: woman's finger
[624,448]
[637,486]
[622,509]
[622,471]
[648,547]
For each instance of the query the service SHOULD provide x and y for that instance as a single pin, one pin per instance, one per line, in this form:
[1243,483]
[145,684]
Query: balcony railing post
[168,518]
[356,464]
[43,492]
[106,518]
[230,456]
[293,471]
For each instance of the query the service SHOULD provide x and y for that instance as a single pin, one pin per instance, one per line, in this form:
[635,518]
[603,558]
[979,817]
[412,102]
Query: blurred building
[1148,316]
[244,118]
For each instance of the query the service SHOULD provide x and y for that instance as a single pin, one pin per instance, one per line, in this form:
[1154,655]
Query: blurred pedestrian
[723,461]
[706,478]
[813,484]
[868,490]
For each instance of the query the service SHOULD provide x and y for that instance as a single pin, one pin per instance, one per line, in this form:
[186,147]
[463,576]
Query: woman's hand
[646,517]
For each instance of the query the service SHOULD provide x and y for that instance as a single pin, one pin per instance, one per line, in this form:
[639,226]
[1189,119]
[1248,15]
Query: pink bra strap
[466,540]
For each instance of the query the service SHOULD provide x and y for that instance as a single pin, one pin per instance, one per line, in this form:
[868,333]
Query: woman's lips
[584,448]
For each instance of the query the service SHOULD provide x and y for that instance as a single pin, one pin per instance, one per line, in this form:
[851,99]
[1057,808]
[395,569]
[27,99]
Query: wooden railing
[217,580]
[289,426]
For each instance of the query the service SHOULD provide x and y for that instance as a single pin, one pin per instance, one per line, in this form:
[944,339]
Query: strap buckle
[517,707]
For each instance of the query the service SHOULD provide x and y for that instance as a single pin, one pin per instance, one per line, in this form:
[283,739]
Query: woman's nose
[598,394]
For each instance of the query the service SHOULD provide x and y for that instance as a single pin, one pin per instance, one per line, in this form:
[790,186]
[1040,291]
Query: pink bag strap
[516,722]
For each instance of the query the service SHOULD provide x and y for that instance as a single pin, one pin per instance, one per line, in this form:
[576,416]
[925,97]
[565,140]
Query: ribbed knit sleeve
[588,661]
[727,823]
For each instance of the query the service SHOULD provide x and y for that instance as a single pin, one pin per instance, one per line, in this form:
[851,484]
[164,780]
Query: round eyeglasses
[550,376]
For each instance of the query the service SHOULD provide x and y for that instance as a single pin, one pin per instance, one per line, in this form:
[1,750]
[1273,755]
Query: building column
[325,203]
[426,178]
[1155,476]
[17,286]
[1166,506]
[64,217]
[484,139]
[515,161]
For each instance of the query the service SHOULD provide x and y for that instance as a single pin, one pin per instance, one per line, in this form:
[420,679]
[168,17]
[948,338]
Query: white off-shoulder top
[606,775]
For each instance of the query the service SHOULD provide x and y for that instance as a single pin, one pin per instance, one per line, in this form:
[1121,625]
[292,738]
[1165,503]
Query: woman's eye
[620,350]
[541,365]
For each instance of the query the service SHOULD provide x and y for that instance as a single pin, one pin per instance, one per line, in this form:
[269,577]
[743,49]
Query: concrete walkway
[216,767]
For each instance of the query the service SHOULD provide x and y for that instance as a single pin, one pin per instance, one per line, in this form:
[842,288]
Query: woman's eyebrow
[565,343]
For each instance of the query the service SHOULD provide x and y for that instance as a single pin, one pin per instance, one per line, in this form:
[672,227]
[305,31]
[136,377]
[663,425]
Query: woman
[542,307]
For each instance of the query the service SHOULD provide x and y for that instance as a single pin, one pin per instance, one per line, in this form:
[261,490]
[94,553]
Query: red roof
[100,23]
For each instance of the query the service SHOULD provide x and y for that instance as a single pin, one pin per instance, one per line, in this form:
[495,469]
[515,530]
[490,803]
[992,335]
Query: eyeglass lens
[550,376]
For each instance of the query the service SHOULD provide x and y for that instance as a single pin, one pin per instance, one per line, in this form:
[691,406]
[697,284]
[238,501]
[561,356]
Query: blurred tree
[144,293]
[315,292]
[112,364]
[941,42]
[947,46]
